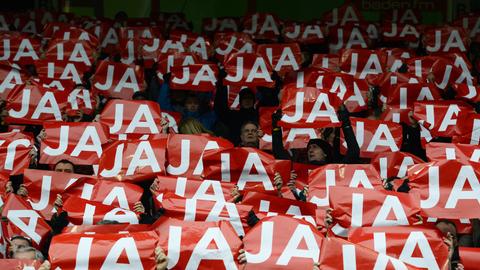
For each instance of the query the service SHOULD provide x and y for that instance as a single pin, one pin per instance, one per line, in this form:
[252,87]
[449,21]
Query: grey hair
[38,255]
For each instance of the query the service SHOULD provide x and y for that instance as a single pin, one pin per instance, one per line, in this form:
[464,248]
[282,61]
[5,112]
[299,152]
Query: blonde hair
[192,126]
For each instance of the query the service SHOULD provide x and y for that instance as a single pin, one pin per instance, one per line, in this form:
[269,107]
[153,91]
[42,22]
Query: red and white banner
[341,175]
[394,164]
[133,160]
[21,219]
[304,33]
[447,39]
[283,242]
[448,198]
[115,193]
[198,245]
[440,117]
[337,253]
[192,42]
[166,61]
[467,92]
[469,257]
[230,43]
[15,148]
[118,80]
[374,136]
[292,137]
[262,26]
[43,187]
[404,95]
[220,24]
[202,210]
[19,48]
[468,129]
[267,206]
[248,168]
[208,190]
[283,57]
[355,207]
[79,52]
[134,118]
[134,250]
[361,62]
[196,77]
[248,69]
[185,153]
[453,151]
[399,32]
[422,247]
[33,104]
[80,143]
[10,77]
[86,212]
[61,74]
[308,107]
[347,37]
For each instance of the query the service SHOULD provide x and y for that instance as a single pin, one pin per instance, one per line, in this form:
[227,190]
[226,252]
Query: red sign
[448,198]
[282,57]
[248,69]
[394,164]
[374,136]
[198,245]
[133,118]
[308,107]
[185,153]
[15,148]
[118,80]
[282,242]
[198,77]
[43,187]
[23,220]
[355,207]
[80,143]
[135,250]
[202,210]
[133,160]
[33,104]
[342,175]
[422,247]
[248,168]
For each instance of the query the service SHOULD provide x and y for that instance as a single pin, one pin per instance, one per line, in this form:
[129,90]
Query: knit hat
[325,146]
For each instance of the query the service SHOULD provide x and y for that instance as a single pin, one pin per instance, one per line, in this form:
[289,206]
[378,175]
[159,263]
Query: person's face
[64,167]
[192,104]
[247,102]
[315,153]
[24,255]
[18,243]
[249,134]
[445,228]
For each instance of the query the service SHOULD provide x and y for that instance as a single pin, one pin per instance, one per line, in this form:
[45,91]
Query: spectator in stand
[234,119]
[250,134]
[320,152]
[64,166]
[195,105]
[17,242]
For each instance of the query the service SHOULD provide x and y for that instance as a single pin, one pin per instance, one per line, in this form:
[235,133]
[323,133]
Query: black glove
[166,77]
[344,116]
[276,116]
[252,219]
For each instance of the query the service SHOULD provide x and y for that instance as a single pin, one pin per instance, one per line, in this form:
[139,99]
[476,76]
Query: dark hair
[21,237]
[65,161]
[107,222]
[140,95]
